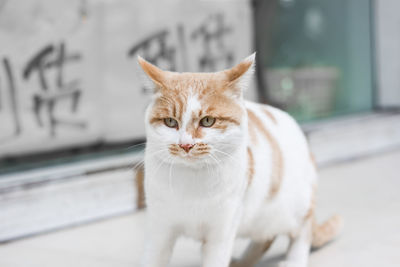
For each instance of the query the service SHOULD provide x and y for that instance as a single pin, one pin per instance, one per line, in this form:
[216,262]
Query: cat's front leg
[218,245]
[217,253]
[159,246]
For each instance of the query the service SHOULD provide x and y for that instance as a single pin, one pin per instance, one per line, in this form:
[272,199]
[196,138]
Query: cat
[218,167]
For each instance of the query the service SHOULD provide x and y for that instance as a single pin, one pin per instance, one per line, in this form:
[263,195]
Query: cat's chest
[174,184]
[194,219]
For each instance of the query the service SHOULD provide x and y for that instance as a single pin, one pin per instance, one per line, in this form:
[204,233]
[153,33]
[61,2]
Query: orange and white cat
[218,167]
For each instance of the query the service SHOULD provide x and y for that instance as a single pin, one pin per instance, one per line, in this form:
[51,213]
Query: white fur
[208,199]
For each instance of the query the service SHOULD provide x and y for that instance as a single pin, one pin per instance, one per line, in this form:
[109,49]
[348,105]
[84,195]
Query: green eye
[171,123]
[207,121]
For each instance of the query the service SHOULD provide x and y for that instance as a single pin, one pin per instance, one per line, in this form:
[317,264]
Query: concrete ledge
[47,199]
[351,137]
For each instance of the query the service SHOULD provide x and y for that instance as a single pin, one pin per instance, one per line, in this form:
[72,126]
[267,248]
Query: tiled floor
[366,192]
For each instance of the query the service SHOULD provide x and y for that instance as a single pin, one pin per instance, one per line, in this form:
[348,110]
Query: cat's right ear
[157,75]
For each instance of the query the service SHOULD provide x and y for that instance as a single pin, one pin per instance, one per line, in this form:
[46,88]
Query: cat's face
[196,117]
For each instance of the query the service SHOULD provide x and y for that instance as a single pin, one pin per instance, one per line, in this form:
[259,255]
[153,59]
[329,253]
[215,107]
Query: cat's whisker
[210,174]
[215,159]
[137,145]
[137,165]
[208,168]
[209,193]
[170,177]
[218,181]
[162,163]
[226,154]
[134,146]
[214,169]
[151,153]
[141,162]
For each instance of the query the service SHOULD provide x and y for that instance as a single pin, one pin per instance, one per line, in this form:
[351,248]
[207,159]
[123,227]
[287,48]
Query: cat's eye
[170,122]
[207,121]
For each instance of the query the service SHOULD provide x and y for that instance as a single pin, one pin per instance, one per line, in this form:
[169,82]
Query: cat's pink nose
[186,147]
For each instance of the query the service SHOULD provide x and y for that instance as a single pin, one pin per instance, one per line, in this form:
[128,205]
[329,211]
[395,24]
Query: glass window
[316,56]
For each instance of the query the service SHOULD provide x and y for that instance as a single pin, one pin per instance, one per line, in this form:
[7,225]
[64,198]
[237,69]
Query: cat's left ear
[239,76]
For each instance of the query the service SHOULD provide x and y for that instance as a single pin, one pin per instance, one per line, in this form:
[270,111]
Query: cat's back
[274,125]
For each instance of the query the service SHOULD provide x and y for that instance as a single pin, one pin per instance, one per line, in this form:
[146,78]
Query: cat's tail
[325,232]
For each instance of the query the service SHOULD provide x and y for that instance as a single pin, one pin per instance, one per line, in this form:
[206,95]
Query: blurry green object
[316,56]
[305,92]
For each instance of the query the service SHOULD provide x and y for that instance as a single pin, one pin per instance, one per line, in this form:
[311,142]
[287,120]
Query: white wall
[100,76]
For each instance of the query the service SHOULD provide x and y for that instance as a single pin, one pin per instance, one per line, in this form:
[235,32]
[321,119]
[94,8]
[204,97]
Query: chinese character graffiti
[212,33]
[156,50]
[160,49]
[54,58]
[12,95]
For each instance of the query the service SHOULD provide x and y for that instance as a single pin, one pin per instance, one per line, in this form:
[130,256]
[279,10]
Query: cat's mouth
[192,152]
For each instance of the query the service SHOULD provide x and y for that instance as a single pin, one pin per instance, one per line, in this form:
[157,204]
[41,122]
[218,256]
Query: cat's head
[196,118]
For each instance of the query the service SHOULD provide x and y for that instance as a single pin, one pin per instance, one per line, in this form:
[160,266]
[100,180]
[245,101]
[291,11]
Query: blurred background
[72,99]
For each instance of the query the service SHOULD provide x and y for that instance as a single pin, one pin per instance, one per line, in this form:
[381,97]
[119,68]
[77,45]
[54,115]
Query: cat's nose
[186,147]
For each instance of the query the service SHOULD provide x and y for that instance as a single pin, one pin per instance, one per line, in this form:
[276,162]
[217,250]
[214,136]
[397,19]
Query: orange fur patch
[325,232]
[140,188]
[209,88]
[197,150]
[310,212]
[156,74]
[277,157]
[270,115]
[193,128]
[252,133]
[237,71]
[250,166]
[200,149]
[214,90]
[268,244]
[174,149]
[312,157]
